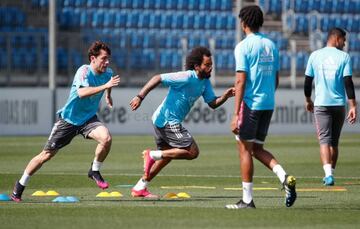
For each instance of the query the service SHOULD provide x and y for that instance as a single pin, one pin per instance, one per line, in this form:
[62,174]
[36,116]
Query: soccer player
[331,69]
[257,66]
[172,139]
[78,116]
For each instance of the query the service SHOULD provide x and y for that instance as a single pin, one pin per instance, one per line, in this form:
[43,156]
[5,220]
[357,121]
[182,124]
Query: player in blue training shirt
[78,116]
[330,67]
[257,66]
[172,139]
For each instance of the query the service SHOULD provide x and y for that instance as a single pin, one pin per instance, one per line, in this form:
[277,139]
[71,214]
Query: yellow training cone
[116,194]
[52,193]
[103,194]
[183,195]
[39,193]
[170,195]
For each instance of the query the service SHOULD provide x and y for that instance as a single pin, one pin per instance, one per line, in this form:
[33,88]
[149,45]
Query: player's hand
[234,124]
[309,106]
[109,101]
[352,114]
[113,82]
[135,103]
[230,92]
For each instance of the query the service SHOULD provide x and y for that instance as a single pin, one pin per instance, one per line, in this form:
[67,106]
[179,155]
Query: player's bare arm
[240,82]
[108,97]
[230,92]
[89,91]
[151,84]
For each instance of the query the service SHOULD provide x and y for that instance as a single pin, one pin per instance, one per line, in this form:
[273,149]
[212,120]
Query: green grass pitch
[212,181]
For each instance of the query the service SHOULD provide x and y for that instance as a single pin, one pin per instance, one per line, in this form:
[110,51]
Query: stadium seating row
[324,6]
[12,17]
[208,5]
[77,18]
[305,23]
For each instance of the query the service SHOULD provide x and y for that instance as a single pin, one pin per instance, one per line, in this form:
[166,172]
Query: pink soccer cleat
[96,176]
[143,193]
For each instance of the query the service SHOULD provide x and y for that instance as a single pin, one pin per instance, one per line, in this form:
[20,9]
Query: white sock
[280,172]
[140,185]
[24,180]
[96,165]
[247,191]
[156,154]
[327,169]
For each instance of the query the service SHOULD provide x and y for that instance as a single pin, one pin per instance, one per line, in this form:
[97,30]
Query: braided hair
[252,16]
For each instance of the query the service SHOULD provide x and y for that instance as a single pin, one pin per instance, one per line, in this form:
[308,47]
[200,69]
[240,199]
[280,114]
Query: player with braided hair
[257,66]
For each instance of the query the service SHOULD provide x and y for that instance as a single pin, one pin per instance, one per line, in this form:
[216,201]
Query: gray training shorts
[63,132]
[329,121]
[174,136]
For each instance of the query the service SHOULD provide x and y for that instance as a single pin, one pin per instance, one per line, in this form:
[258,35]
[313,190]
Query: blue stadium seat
[183,4]
[165,20]
[301,60]
[120,19]
[231,22]
[160,4]
[109,18]
[62,58]
[301,6]
[67,3]
[210,21]
[3,58]
[76,59]
[132,20]
[215,4]
[104,3]
[193,5]
[155,20]
[188,21]
[199,21]
[285,60]
[80,3]
[92,3]
[137,4]
[98,18]
[149,4]
[227,5]
[120,58]
[171,5]
[326,6]
[86,18]
[177,20]
[144,20]
[313,5]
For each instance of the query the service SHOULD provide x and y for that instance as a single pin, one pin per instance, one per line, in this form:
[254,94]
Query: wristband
[140,97]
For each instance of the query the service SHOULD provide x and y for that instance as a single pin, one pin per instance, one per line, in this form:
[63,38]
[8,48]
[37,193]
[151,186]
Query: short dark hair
[252,16]
[336,31]
[95,48]
[196,57]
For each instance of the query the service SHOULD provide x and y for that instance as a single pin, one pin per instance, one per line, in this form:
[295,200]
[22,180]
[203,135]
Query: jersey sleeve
[309,67]
[347,68]
[240,58]
[208,94]
[81,77]
[175,79]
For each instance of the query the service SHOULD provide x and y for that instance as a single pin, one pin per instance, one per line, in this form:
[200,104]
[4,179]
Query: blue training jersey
[79,110]
[184,89]
[329,66]
[259,58]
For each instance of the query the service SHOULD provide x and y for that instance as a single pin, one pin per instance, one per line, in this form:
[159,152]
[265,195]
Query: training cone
[60,199]
[4,197]
[183,195]
[52,193]
[39,193]
[170,195]
[103,194]
[72,199]
[116,194]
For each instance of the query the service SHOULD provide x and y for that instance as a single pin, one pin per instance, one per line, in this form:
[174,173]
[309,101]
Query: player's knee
[46,156]
[106,140]
[194,153]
